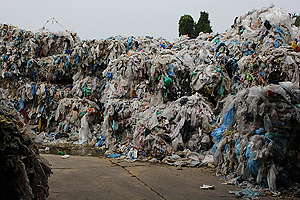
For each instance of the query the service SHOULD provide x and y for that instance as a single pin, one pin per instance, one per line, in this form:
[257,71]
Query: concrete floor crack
[140,180]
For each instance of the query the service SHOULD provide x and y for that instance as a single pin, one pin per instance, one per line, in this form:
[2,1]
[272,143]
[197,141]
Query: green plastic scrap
[249,77]
[146,132]
[221,90]
[218,69]
[194,73]
[86,91]
[61,153]
[158,112]
[167,81]
[81,114]
[115,125]
[217,41]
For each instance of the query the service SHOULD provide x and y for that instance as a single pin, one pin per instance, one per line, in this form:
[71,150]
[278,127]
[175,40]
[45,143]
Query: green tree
[203,24]
[186,25]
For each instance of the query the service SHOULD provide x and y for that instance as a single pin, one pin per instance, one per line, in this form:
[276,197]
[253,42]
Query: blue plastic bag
[129,43]
[109,75]
[171,70]
[113,155]
[217,134]
[100,141]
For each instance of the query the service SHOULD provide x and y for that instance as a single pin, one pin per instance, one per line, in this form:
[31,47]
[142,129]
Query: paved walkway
[93,178]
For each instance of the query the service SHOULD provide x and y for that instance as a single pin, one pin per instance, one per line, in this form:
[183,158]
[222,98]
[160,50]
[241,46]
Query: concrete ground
[94,178]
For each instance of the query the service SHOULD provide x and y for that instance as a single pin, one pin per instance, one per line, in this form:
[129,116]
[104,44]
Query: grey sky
[101,19]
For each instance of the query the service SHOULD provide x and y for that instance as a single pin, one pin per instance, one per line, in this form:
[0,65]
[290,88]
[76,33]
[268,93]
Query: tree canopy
[186,25]
[203,24]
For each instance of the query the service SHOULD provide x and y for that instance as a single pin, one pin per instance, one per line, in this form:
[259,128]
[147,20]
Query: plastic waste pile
[259,134]
[88,57]
[24,174]
[265,55]
[158,131]
[259,49]
[53,57]
[146,98]
[18,47]
[143,74]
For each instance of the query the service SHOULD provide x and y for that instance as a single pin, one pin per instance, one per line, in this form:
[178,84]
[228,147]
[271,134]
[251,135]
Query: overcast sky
[103,18]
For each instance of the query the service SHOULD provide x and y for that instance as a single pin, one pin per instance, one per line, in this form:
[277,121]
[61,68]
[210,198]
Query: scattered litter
[207,187]
[65,156]
[246,193]
[113,155]
[61,153]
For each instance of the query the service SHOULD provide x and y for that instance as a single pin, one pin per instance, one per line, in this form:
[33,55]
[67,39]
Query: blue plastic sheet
[20,105]
[115,125]
[113,155]
[33,89]
[227,121]
[29,64]
[5,58]
[217,134]
[238,147]
[246,193]
[101,141]
[259,131]
[129,43]
[171,70]
[276,44]
[109,75]
[252,164]
[76,58]
[163,46]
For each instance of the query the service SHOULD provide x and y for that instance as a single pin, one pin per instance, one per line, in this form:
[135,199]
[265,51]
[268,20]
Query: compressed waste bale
[158,131]
[258,137]
[183,124]
[23,173]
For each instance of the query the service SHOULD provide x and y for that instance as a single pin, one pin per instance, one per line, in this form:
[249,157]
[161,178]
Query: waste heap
[259,135]
[259,49]
[24,175]
[138,130]
[146,98]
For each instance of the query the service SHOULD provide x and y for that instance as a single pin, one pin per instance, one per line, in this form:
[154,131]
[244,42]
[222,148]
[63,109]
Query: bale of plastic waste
[23,173]
[163,130]
[258,135]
